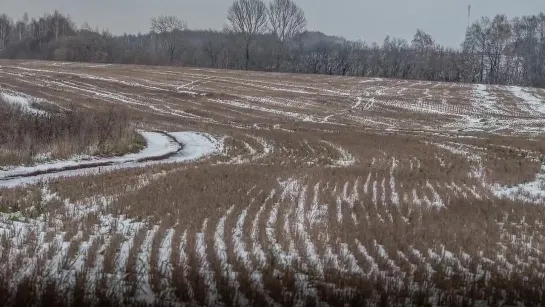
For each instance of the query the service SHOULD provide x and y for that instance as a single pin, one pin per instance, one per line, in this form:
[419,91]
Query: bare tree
[496,50]
[286,19]
[21,27]
[394,59]
[249,18]
[529,46]
[6,26]
[476,41]
[500,36]
[213,46]
[167,27]
[58,24]
[424,49]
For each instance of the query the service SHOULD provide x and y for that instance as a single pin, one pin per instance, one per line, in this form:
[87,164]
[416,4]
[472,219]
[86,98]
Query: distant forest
[273,37]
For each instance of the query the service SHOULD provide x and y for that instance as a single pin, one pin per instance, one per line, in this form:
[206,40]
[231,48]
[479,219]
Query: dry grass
[328,190]
[27,137]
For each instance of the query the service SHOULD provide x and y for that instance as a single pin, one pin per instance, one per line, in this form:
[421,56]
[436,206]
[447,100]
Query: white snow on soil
[533,191]
[21,100]
[490,115]
[484,100]
[534,103]
[260,107]
[157,146]
[195,145]
[345,157]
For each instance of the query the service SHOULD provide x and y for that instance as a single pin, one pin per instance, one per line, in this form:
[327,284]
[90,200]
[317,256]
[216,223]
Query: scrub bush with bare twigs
[29,136]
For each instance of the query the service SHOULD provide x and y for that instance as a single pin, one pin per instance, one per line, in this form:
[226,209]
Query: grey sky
[368,20]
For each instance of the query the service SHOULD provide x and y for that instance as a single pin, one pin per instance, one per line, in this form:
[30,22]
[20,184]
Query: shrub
[56,133]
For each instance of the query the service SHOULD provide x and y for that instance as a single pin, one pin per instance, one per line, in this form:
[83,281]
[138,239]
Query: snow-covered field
[283,190]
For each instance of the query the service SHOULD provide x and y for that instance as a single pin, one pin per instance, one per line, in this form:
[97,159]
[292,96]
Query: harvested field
[301,190]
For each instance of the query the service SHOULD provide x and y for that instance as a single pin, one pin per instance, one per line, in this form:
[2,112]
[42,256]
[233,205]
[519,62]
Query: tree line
[273,37]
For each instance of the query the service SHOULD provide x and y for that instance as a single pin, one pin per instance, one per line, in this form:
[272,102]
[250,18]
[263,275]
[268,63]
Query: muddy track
[100,164]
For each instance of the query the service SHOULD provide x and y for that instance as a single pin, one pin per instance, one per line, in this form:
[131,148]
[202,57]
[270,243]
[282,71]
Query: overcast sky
[368,20]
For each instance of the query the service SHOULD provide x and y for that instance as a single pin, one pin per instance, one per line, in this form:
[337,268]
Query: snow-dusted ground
[157,145]
[533,104]
[161,148]
[489,113]
[533,191]
[22,100]
[295,226]
[196,145]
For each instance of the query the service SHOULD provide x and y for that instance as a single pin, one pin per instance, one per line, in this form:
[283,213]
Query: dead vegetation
[386,202]
[28,137]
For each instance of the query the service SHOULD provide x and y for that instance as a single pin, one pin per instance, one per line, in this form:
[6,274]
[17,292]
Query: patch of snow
[259,254]
[205,268]
[383,194]
[339,210]
[372,80]
[191,93]
[219,240]
[195,145]
[316,210]
[308,245]
[533,191]
[145,292]
[366,185]
[238,242]
[260,107]
[350,259]
[284,258]
[416,199]
[485,101]
[157,145]
[367,257]
[165,251]
[533,103]
[375,192]
[22,100]
[437,200]
[395,195]
[345,159]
